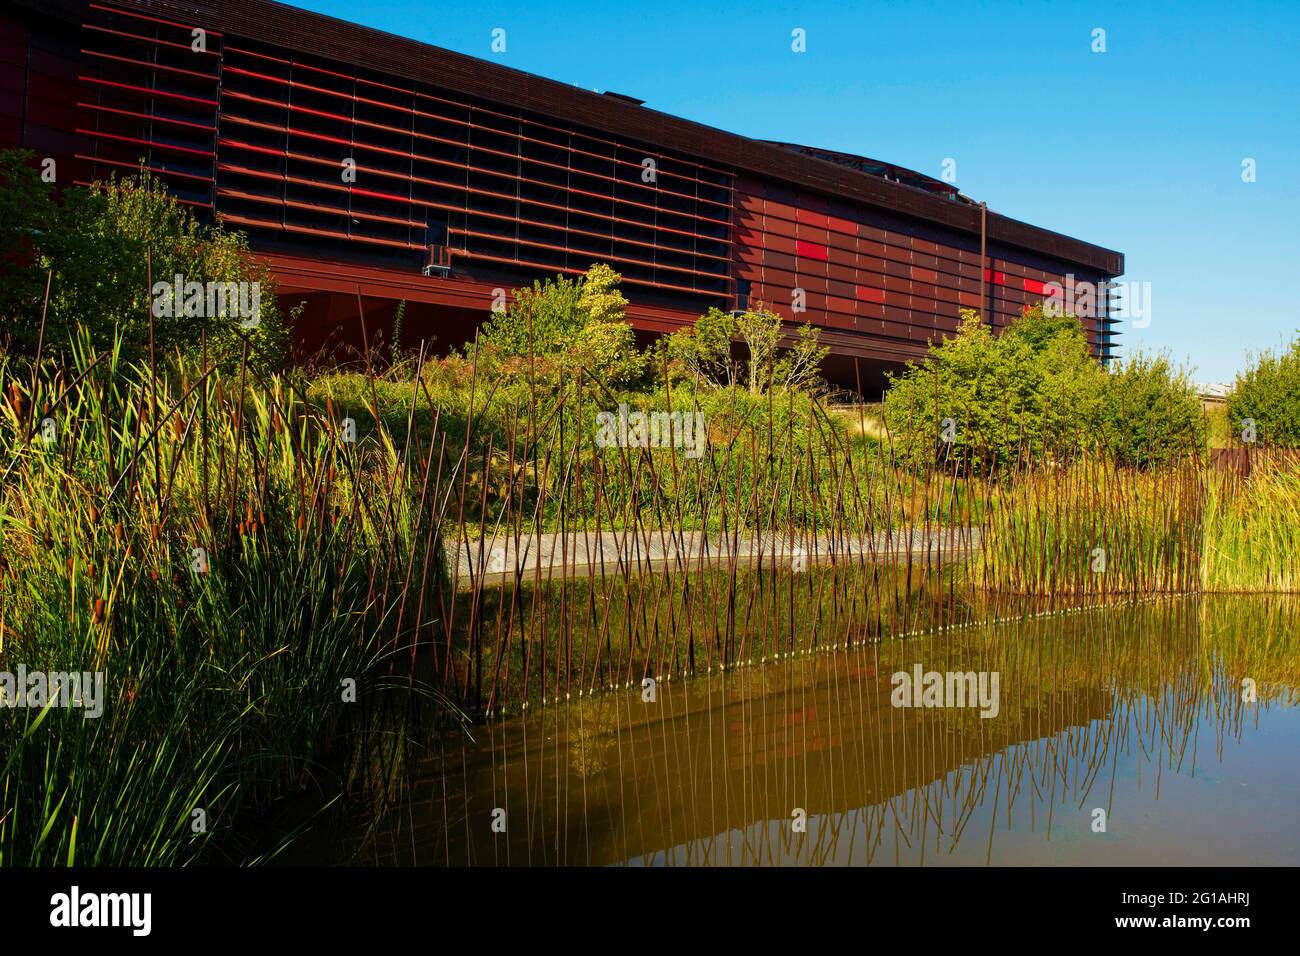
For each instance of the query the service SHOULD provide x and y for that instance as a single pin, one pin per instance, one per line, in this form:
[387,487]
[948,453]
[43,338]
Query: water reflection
[1131,719]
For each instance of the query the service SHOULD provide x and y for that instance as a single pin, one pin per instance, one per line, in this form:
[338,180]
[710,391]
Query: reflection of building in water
[615,779]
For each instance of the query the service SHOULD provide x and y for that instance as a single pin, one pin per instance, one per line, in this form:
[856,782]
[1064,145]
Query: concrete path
[577,554]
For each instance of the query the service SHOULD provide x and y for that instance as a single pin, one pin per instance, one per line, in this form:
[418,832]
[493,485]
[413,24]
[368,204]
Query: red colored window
[1036,287]
[810,250]
[997,278]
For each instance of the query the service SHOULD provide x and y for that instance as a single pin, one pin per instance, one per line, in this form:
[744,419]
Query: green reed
[228,560]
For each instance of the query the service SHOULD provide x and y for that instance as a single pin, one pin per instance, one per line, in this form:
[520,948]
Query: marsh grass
[327,561]
[1252,527]
[227,560]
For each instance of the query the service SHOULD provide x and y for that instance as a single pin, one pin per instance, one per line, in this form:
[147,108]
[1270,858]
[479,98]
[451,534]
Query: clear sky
[1139,148]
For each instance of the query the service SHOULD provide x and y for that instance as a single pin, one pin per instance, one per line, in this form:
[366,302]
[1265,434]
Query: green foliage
[1028,391]
[1035,391]
[1150,414]
[704,352]
[542,320]
[760,330]
[398,318]
[571,326]
[1269,393]
[600,298]
[105,250]
[222,683]
[800,366]
[1252,528]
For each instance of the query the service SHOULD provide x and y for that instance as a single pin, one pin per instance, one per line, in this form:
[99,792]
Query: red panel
[780,210]
[807,218]
[868,294]
[810,250]
[997,278]
[836,224]
[779,227]
[780,244]
[1035,287]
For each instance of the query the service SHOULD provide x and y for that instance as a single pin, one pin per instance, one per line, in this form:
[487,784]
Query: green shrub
[571,326]
[983,401]
[1150,413]
[1031,390]
[703,352]
[1269,394]
[107,250]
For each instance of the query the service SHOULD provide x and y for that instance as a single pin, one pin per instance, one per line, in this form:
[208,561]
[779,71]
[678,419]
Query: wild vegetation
[1268,394]
[261,561]
[237,571]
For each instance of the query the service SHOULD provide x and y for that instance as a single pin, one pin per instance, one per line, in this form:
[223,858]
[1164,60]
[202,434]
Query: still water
[1159,733]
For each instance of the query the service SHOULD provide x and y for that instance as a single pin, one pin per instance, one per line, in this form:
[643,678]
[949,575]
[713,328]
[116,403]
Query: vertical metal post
[984,265]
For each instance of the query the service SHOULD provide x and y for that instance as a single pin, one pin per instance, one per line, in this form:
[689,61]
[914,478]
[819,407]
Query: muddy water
[1163,733]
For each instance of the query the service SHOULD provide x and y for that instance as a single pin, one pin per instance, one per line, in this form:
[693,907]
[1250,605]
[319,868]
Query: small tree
[580,324]
[105,250]
[542,320]
[1268,393]
[986,399]
[1150,414]
[800,367]
[760,330]
[705,351]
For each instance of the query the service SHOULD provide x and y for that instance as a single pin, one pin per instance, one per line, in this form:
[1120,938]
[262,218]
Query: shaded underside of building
[370,169]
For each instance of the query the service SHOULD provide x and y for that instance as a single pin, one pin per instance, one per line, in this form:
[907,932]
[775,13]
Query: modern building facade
[370,169]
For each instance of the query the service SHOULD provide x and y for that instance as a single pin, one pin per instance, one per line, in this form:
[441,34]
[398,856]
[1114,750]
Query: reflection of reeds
[581,567]
[712,772]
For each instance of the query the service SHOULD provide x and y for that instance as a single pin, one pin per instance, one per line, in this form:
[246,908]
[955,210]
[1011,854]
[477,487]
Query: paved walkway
[577,554]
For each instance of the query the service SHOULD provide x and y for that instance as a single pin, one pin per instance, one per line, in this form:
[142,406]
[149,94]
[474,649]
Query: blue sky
[1139,148]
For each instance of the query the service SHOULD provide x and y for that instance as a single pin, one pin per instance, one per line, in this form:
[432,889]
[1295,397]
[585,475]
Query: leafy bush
[542,320]
[1269,393]
[1030,390]
[105,250]
[1150,413]
[572,325]
[704,351]
[983,400]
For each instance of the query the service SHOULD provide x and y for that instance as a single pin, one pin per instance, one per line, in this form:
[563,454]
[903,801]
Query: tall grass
[1091,529]
[220,552]
[1252,527]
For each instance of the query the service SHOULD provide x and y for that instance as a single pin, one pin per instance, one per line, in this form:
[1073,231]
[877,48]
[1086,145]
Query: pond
[1158,732]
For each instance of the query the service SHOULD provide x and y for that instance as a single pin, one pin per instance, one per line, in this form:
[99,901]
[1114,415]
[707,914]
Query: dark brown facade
[370,169]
